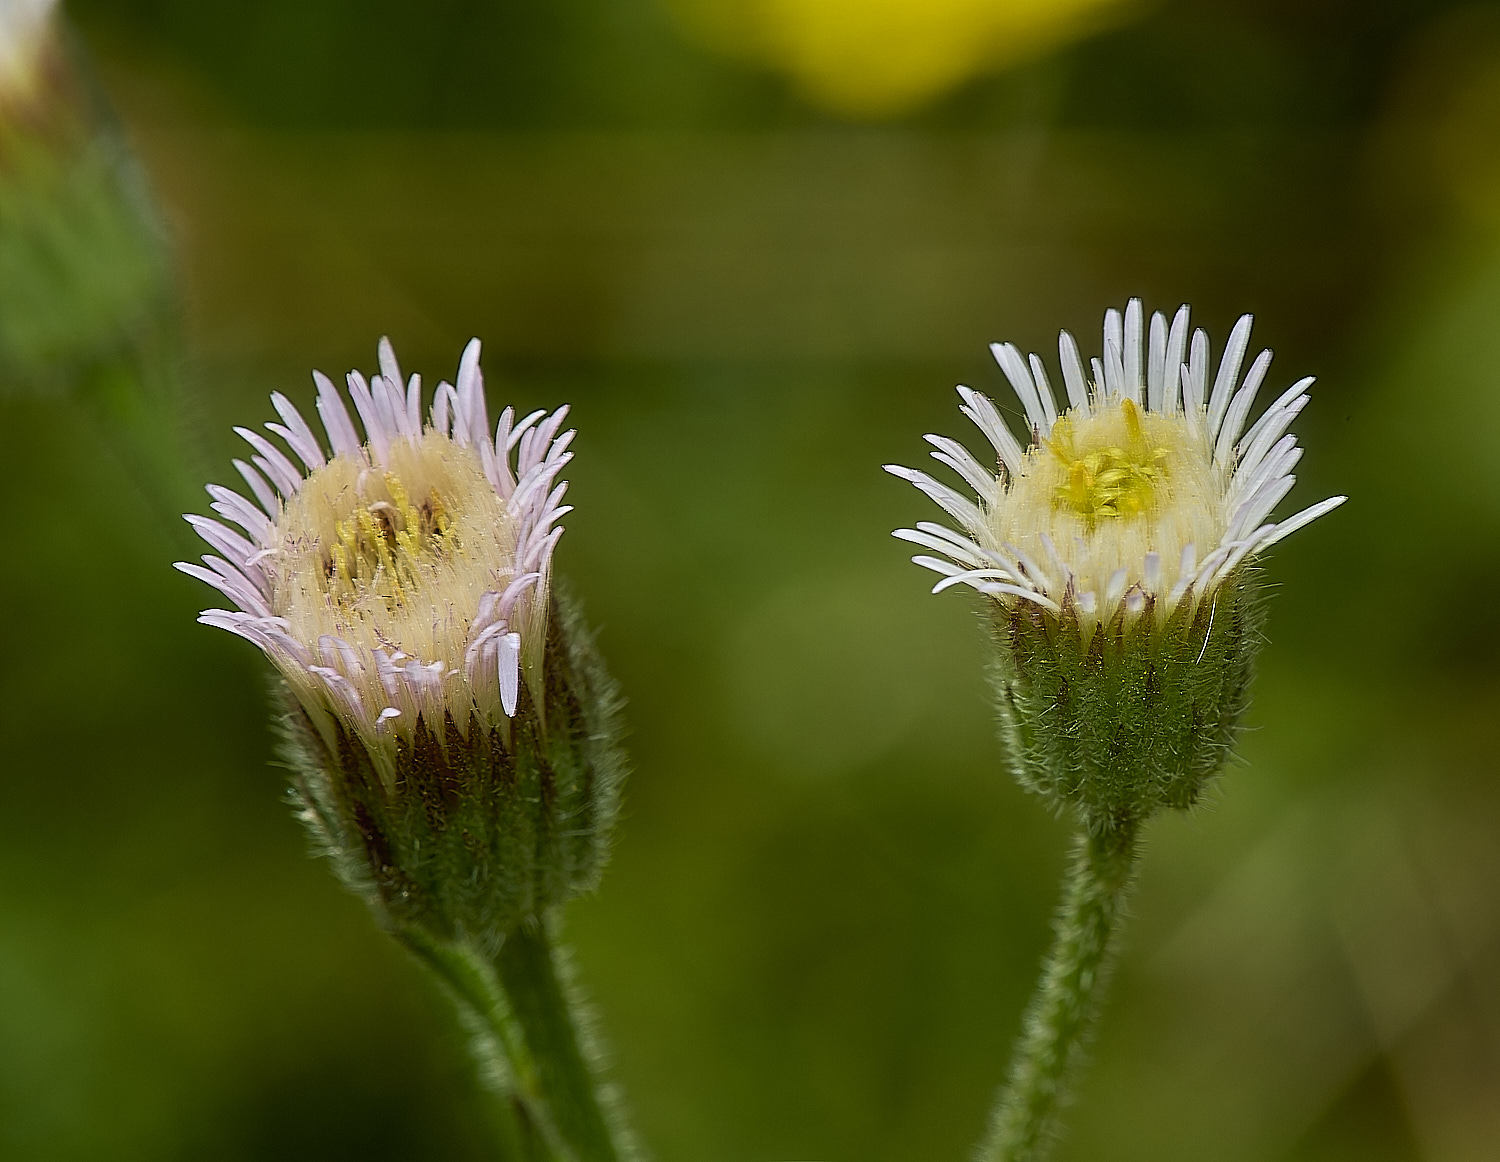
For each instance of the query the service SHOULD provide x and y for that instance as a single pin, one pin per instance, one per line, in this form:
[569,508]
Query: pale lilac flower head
[401,577]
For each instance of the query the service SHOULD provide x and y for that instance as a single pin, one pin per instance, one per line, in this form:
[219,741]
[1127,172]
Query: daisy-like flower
[1115,549]
[401,585]
[1149,489]
[401,578]
[1116,546]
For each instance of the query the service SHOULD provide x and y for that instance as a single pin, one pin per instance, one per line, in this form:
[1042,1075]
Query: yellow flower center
[380,548]
[1112,481]
[393,556]
[1108,486]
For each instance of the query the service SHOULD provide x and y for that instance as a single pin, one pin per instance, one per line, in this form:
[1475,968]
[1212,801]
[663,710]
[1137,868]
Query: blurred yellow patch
[877,58]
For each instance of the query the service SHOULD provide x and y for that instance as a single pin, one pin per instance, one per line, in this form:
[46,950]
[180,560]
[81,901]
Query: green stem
[524,1130]
[128,399]
[528,974]
[1064,1008]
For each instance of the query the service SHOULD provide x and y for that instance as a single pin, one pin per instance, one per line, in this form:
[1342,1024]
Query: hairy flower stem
[1063,1011]
[522,1123]
[551,1029]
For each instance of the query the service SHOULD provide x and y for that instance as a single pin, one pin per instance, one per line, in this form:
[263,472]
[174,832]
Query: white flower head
[402,578]
[1149,490]
[25,31]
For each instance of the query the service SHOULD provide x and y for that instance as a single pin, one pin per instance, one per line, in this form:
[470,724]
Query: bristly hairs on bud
[1132,717]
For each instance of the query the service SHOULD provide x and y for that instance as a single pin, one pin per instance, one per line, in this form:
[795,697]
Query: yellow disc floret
[1108,486]
[395,556]
[1111,481]
[381,547]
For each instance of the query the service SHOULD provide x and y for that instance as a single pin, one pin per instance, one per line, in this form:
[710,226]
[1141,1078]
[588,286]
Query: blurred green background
[756,263]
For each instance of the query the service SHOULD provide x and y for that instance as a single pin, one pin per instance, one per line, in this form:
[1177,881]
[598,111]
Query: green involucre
[483,834]
[1132,716]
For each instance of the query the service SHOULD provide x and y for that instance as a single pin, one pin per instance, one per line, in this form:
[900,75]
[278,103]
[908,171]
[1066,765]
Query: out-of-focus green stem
[132,400]
[89,309]
[1064,1009]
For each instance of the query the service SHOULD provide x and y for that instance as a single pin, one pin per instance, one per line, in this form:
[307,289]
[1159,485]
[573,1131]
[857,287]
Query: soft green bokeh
[827,904]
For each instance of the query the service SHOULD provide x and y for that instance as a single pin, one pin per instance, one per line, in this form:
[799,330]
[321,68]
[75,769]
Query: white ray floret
[1150,488]
[399,578]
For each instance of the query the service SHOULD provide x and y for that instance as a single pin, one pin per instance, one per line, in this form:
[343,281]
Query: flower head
[25,29]
[875,60]
[448,720]
[1116,548]
[402,577]
[1148,490]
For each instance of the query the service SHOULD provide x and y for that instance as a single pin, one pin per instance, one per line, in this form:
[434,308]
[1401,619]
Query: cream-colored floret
[395,557]
[1109,487]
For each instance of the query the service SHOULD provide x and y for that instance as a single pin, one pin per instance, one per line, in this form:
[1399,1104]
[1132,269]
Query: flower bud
[1116,556]
[451,728]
